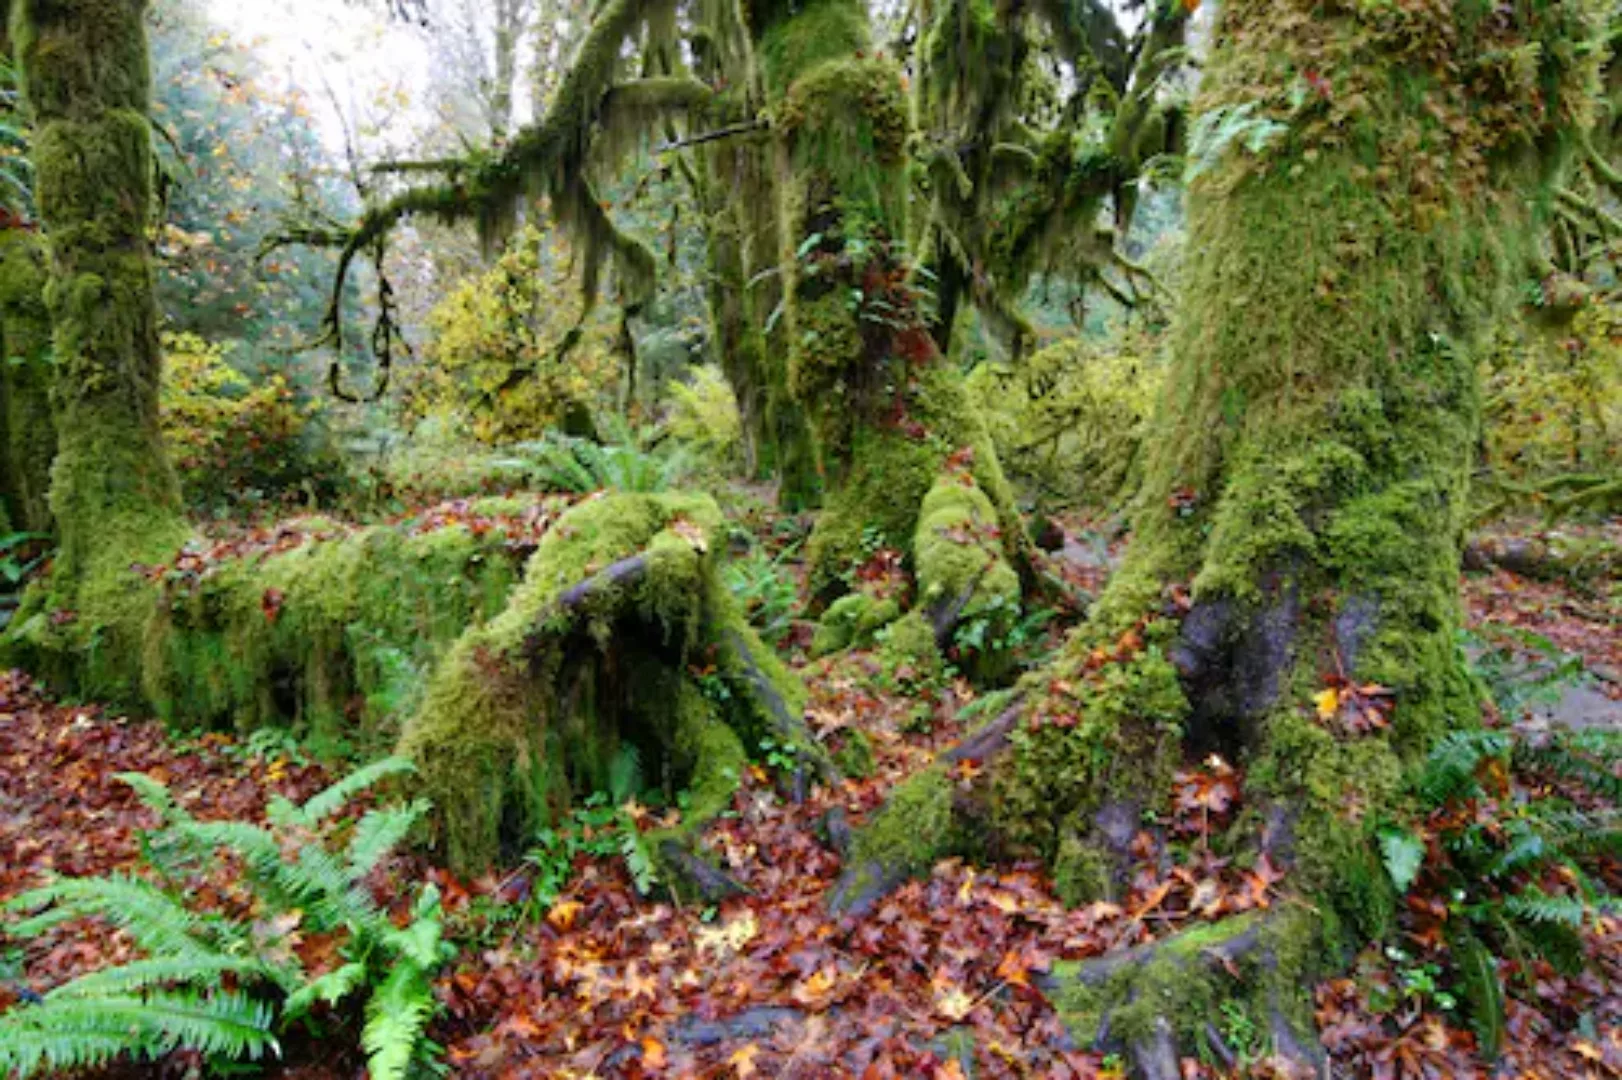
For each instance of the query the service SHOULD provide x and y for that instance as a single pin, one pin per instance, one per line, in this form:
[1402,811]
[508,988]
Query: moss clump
[1105,728]
[887,469]
[799,41]
[908,654]
[1258,965]
[963,572]
[853,621]
[334,638]
[913,829]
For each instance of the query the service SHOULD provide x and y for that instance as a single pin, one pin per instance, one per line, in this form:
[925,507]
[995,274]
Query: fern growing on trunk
[213,984]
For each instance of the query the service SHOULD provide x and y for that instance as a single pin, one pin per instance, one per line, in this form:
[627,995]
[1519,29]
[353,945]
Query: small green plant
[766,591]
[229,986]
[1240,1031]
[598,828]
[778,756]
[1518,824]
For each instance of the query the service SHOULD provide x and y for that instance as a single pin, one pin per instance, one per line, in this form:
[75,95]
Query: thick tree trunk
[1290,596]
[114,497]
[744,291]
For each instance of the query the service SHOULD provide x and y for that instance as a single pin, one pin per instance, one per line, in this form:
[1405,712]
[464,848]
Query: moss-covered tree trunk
[87,85]
[29,444]
[890,415]
[1290,598]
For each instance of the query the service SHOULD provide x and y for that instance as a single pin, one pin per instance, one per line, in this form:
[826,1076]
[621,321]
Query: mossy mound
[620,641]
[965,582]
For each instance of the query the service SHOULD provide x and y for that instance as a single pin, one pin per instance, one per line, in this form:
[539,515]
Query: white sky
[350,47]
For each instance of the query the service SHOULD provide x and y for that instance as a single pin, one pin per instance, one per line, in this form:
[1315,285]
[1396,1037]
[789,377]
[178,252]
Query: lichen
[25,345]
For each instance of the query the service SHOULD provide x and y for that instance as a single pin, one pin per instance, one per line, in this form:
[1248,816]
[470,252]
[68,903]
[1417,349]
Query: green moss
[1179,982]
[962,564]
[913,829]
[333,638]
[855,754]
[1098,734]
[853,621]
[1081,873]
[527,710]
[827,30]
[908,652]
[25,346]
[886,471]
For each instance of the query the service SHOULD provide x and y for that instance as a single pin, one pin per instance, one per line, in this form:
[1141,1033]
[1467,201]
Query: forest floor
[939,980]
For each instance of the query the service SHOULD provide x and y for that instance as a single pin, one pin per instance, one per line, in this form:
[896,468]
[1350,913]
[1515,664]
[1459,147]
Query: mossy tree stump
[1300,529]
[620,636]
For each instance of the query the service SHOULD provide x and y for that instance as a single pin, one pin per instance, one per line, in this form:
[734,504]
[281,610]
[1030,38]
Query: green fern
[206,982]
[396,1015]
[1480,989]
[68,1033]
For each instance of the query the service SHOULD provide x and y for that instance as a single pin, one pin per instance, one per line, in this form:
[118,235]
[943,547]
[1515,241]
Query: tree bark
[114,497]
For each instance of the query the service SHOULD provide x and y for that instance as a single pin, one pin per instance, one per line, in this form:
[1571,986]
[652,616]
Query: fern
[158,923]
[206,983]
[323,805]
[1481,990]
[67,1033]
[378,834]
[1535,905]
[395,1018]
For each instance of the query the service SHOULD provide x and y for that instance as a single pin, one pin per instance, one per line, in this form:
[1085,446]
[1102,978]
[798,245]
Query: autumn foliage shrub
[1553,401]
[508,353]
[237,442]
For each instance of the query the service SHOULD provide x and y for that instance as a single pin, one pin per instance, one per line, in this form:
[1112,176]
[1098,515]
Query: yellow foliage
[493,357]
[1068,423]
[704,415]
[1554,401]
[230,439]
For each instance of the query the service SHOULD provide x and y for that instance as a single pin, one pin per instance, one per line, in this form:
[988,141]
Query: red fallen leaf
[271,604]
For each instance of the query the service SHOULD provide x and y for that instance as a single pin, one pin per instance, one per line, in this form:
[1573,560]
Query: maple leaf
[1327,702]
[653,1053]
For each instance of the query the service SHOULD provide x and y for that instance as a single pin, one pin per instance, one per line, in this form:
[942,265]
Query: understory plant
[230,983]
[1521,849]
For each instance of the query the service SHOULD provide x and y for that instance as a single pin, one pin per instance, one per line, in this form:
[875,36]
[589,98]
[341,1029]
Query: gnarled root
[1246,976]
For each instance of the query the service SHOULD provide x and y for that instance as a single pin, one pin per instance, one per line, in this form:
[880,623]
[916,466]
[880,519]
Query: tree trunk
[1290,598]
[114,497]
[887,410]
[744,293]
[25,383]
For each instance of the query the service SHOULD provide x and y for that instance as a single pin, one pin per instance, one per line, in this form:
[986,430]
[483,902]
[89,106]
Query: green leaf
[1483,992]
[1403,854]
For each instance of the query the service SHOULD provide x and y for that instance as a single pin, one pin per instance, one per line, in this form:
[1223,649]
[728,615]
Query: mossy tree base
[1290,598]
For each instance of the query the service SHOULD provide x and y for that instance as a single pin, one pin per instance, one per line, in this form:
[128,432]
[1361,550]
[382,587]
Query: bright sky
[351,48]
